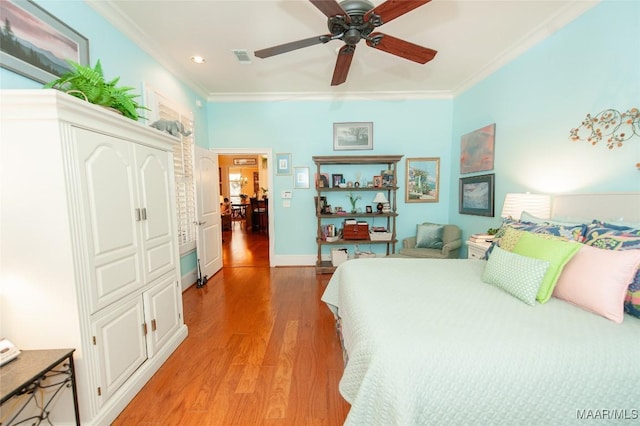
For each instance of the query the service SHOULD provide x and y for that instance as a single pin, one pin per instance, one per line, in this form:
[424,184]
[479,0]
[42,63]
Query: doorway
[245,178]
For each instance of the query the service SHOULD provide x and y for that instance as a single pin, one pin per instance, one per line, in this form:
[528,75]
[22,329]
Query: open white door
[209,235]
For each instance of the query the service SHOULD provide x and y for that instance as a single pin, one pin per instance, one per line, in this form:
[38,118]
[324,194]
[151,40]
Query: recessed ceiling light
[198,59]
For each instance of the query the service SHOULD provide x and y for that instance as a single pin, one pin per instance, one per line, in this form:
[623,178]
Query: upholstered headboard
[615,206]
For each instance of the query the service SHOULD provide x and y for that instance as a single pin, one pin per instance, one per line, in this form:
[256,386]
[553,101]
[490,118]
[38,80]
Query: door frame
[268,152]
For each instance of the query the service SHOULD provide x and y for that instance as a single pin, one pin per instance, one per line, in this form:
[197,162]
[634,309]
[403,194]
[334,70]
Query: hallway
[242,247]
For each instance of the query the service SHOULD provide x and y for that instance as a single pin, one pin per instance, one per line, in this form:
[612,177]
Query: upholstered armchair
[434,241]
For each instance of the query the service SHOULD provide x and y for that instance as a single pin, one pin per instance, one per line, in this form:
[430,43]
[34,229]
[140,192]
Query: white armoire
[89,251]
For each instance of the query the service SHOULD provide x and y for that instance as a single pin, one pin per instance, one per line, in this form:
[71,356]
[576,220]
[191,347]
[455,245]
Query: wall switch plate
[286,203]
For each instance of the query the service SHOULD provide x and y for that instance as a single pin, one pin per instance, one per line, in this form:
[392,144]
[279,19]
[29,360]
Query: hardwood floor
[261,350]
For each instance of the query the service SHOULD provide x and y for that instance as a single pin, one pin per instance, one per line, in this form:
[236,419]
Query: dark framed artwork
[422,180]
[477,195]
[245,162]
[37,44]
[336,179]
[477,150]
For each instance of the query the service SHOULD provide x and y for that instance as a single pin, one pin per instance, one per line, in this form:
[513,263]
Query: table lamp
[380,199]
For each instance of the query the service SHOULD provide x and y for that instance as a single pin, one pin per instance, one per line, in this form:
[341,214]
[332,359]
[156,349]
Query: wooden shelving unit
[391,163]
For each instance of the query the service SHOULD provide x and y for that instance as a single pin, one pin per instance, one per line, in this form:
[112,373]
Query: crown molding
[546,28]
[328,96]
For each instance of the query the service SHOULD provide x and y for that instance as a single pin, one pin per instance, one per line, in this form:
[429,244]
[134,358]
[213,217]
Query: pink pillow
[597,280]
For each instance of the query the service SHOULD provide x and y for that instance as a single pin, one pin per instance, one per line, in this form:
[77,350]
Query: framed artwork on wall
[39,43]
[477,195]
[301,177]
[422,180]
[352,136]
[283,164]
[477,150]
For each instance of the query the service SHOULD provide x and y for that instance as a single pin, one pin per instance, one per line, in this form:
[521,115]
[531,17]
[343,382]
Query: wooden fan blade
[330,8]
[391,9]
[402,48]
[345,55]
[294,45]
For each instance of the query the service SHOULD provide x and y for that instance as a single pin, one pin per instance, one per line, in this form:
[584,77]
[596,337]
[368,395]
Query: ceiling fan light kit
[355,20]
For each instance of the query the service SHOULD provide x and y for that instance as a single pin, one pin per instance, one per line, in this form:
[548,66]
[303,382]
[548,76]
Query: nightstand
[476,250]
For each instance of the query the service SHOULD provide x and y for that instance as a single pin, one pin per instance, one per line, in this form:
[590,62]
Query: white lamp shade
[380,198]
[538,205]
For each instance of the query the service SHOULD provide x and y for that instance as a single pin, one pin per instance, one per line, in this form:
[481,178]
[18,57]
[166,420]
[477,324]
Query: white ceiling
[473,38]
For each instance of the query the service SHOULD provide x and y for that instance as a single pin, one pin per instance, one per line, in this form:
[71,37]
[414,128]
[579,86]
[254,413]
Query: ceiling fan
[352,21]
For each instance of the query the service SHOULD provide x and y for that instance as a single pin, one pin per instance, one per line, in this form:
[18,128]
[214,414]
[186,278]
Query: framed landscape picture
[477,195]
[352,136]
[35,44]
[422,180]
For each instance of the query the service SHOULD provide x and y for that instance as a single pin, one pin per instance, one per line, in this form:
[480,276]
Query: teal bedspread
[430,344]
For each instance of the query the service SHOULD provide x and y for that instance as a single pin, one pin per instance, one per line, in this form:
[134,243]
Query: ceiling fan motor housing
[356,9]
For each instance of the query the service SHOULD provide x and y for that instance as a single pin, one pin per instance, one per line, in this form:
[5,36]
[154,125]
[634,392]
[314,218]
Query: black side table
[38,369]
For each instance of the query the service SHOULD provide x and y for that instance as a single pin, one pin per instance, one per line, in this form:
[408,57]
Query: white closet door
[154,178]
[162,313]
[107,179]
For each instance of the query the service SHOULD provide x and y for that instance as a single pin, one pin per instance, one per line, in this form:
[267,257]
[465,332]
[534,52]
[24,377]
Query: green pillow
[557,252]
[520,276]
[429,236]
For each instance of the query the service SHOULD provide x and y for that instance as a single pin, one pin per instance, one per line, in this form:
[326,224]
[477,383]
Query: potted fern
[89,84]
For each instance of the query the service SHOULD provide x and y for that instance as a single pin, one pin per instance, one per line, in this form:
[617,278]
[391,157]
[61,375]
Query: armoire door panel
[108,182]
[157,226]
[121,344]
[162,310]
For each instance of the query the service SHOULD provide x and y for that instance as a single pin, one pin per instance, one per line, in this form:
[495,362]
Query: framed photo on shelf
[422,180]
[283,164]
[377,181]
[369,209]
[477,195]
[322,180]
[321,207]
[301,177]
[336,179]
[352,136]
[40,49]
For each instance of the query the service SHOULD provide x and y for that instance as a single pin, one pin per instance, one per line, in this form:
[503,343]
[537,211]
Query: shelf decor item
[381,200]
[353,200]
[90,85]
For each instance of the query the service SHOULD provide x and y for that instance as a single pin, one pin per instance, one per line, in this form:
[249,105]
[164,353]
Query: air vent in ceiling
[242,55]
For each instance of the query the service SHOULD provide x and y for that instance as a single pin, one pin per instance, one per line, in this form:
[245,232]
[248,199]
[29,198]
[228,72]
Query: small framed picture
[301,177]
[352,136]
[377,181]
[336,179]
[369,209]
[283,164]
[322,180]
[477,195]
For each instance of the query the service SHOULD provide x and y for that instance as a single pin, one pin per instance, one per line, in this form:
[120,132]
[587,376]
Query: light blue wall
[413,128]
[588,66]
[120,57]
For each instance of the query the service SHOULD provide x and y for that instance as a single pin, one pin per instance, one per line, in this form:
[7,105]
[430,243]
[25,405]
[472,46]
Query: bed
[427,341]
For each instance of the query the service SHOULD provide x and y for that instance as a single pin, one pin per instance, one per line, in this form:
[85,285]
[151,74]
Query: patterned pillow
[557,252]
[618,237]
[519,276]
[565,232]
